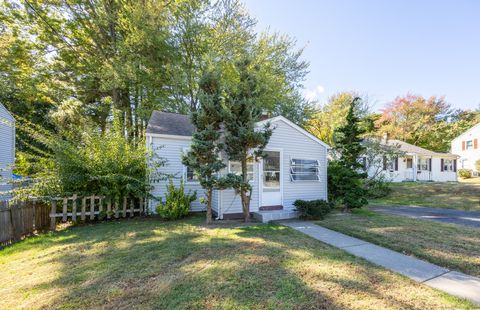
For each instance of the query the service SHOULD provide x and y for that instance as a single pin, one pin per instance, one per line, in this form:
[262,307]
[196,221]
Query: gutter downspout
[415,163]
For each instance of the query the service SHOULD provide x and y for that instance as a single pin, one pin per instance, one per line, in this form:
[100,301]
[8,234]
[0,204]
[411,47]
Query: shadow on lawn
[174,265]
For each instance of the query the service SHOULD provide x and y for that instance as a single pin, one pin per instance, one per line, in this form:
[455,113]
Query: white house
[417,164]
[295,168]
[466,146]
[7,148]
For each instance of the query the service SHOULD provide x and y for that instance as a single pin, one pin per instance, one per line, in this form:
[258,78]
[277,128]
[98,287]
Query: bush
[313,209]
[345,186]
[377,188]
[465,173]
[177,202]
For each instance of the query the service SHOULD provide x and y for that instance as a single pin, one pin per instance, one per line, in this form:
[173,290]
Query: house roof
[467,131]
[174,124]
[410,148]
[166,123]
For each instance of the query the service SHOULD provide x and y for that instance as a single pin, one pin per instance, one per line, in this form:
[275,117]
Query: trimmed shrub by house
[465,173]
[312,209]
[177,202]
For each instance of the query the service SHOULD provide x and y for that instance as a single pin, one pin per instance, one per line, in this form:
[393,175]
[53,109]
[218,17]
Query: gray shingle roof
[410,148]
[170,124]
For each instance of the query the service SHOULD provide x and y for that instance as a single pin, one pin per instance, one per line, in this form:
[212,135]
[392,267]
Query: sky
[383,48]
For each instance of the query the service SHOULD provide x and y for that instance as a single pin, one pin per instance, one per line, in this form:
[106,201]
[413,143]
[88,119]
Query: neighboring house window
[423,164]
[469,144]
[235,167]
[409,163]
[304,170]
[464,163]
[390,164]
[447,165]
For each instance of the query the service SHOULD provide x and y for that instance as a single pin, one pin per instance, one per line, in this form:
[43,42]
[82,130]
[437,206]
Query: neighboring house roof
[413,149]
[467,131]
[165,123]
[174,124]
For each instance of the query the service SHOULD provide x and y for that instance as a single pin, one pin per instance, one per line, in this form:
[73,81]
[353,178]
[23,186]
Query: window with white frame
[447,165]
[304,169]
[235,167]
[469,144]
[423,164]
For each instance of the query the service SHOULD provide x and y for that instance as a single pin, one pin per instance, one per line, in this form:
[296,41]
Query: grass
[183,264]
[461,196]
[452,246]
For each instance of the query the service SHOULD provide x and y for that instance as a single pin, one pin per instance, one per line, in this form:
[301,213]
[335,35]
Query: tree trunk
[209,206]
[243,192]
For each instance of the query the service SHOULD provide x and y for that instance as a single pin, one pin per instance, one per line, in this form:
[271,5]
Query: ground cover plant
[452,246]
[462,195]
[186,264]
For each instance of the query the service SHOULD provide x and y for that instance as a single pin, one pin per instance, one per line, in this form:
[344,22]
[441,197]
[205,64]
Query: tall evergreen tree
[345,176]
[243,140]
[203,156]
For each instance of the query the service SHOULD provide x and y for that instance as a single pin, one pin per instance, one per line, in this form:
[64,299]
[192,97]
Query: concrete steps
[274,215]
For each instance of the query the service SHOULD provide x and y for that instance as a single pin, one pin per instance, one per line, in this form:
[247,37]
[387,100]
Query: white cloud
[315,93]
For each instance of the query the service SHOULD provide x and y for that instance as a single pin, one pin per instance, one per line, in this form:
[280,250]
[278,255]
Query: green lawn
[153,264]
[448,245]
[462,195]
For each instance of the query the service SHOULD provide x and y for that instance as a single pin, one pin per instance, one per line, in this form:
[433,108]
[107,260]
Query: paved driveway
[466,218]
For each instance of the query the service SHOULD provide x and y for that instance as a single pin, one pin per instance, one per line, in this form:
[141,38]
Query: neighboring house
[295,168]
[7,148]
[417,164]
[467,147]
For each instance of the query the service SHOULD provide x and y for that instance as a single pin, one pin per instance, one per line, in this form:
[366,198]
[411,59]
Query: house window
[409,163]
[447,165]
[190,175]
[235,167]
[423,164]
[469,144]
[304,170]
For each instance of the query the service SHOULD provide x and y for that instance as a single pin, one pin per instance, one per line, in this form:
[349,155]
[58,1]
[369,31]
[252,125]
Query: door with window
[271,179]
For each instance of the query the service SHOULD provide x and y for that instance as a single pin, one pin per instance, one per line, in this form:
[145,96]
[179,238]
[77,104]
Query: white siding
[294,144]
[297,145]
[467,157]
[7,147]
[171,150]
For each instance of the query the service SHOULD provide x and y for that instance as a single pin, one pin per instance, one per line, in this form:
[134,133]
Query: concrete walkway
[465,218]
[452,282]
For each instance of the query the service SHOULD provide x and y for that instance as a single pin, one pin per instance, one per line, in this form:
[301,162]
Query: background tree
[345,175]
[333,115]
[243,140]
[203,156]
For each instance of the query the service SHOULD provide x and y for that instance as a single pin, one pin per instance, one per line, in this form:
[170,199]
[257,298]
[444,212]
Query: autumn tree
[333,114]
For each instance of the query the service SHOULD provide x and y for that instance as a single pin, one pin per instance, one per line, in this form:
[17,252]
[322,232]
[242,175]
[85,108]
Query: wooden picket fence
[25,218]
[22,219]
[93,207]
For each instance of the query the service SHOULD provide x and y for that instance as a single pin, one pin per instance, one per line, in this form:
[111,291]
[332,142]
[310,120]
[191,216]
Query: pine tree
[203,156]
[243,140]
[345,176]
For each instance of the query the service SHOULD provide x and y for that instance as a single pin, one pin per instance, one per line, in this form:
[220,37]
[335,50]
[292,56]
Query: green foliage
[313,209]
[203,156]
[242,110]
[465,173]
[377,188]
[345,179]
[177,203]
[477,165]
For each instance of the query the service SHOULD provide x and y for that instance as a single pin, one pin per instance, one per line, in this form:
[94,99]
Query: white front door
[271,179]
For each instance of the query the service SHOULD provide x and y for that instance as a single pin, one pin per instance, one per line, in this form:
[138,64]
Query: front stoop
[275,215]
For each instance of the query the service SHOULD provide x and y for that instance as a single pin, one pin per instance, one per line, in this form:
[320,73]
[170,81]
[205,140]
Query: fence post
[74,208]
[64,211]
[92,207]
[109,207]
[53,215]
[125,206]
[84,207]
[141,206]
